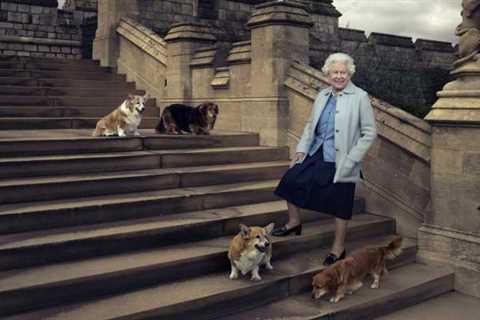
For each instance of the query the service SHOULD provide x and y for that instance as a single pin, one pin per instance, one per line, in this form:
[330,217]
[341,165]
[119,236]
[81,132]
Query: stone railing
[37,29]
[142,57]
[396,168]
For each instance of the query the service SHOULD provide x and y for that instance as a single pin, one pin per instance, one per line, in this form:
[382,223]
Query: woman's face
[338,76]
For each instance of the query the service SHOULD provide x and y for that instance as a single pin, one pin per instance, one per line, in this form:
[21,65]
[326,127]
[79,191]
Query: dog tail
[394,248]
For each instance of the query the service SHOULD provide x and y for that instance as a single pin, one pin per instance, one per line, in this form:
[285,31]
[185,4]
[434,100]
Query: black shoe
[283,231]
[332,258]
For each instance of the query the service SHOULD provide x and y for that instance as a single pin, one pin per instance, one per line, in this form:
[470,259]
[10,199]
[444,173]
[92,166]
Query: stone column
[451,232]
[105,45]
[182,41]
[279,35]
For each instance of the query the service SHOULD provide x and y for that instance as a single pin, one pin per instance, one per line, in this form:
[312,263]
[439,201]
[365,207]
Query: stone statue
[469,32]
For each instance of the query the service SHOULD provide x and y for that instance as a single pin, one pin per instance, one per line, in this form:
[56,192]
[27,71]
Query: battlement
[352,35]
[390,40]
[433,45]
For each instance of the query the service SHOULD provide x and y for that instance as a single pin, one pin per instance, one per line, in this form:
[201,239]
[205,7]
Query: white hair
[339,57]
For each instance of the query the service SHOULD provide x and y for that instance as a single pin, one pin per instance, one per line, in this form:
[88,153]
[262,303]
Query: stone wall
[391,67]
[37,29]
[81,9]
[142,57]
[227,18]
[397,167]
[394,68]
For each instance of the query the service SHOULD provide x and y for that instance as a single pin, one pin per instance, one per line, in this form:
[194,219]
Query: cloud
[426,19]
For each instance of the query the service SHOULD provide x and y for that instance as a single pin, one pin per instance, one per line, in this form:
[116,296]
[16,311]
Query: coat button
[337,130]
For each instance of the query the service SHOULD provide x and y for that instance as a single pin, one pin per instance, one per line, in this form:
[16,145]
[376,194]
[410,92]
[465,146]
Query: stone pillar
[182,41]
[279,35]
[451,232]
[105,45]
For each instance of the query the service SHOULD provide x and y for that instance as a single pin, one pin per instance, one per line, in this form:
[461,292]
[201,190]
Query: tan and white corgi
[250,249]
[124,120]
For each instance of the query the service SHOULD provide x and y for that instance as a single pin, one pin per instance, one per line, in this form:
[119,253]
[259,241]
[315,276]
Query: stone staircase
[39,93]
[138,228]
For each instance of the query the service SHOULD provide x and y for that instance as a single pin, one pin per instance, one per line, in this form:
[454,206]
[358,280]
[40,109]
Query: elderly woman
[328,157]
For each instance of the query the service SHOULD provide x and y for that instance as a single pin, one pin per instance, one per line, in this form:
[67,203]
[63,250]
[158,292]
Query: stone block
[456,138]
[41,34]
[447,161]
[23,8]
[12,6]
[15,46]
[36,10]
[30,47]
[471,164]
[43,48]
[455,201]
[66,50]
[15,17]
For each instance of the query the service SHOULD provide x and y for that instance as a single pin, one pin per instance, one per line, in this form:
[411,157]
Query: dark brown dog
[346,276]
[179,118]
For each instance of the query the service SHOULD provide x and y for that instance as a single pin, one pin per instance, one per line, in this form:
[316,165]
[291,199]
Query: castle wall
[36,28]
[394,68]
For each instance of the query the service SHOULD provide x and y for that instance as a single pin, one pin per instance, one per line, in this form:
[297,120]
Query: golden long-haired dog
[346,276]
[250,249]
[124,120]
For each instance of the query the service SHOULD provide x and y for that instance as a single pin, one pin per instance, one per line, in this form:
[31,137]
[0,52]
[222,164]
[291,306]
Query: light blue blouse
[325,131]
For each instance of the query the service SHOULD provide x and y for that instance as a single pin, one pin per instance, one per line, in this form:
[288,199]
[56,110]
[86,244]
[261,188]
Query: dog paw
[233,276]
[335,299]
[268,266]
[375,285]
[255,277]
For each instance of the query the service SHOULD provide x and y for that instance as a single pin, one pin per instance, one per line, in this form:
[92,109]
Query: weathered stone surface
[27,23]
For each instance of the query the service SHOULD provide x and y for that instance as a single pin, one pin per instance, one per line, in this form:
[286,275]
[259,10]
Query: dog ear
[269,228]
[146,97]
[244,230]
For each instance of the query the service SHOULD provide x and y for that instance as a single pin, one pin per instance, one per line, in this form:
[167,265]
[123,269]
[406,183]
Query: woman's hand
[299,156]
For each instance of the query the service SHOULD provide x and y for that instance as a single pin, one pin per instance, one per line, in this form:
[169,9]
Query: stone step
[6,90]
[31,216]
[22,123]
[294,258]
[135,160]
[78,75]
[17,190]
[64,101]
[402,287]
[448,306]
[51,65]
[73,243]
[24,59]
[60,83]
[23,143]
[64,112]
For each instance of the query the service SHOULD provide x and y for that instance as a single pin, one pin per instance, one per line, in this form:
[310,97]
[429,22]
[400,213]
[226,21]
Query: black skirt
[309,185]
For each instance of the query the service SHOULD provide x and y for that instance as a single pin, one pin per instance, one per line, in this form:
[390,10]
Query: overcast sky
[427,19]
